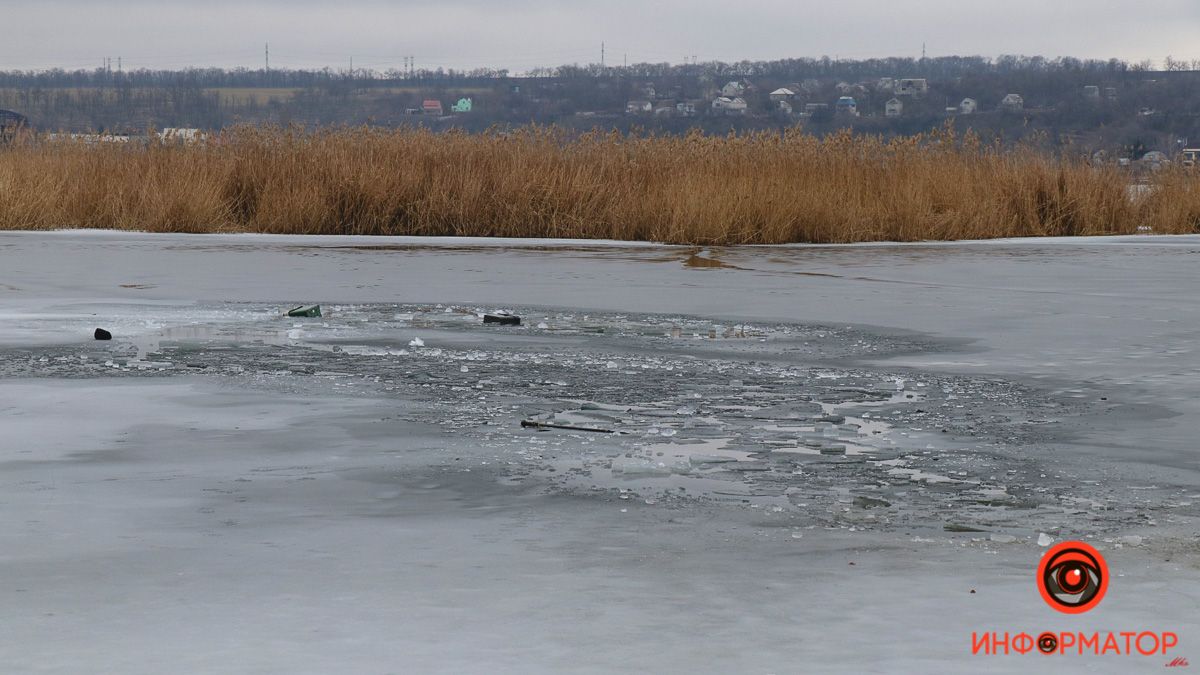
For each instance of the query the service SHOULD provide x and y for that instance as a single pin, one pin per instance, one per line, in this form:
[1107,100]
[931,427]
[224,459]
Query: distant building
[89,139]
[639,107]
[893,108]
[1190,157]
[846,105]
[785,107]
[968,106]
[10,123]
[1110,93]
[685,109]
[1154,160]
[912,86]
[723,105]
[432,107]
[464,105]
[886,84]
[172,135]
[1091,92]
[733,89]
[782,94]
[1012,103]
[648,91]
[811,109]
[844,88]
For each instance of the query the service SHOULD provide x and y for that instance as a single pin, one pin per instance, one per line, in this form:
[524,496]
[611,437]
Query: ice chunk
[416,342]
[1045,540]
[633,468]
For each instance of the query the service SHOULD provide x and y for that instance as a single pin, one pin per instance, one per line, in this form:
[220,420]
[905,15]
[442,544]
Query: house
[782,94]
[648,91]
[785,107]
[432,107]
[1190,157]
[665,110]
[844,88]
[846,105]
[464,105]
[1012,103]
[1091,92]
[10,123]
[811,109]
[893,108]
[912,86]
[1110,93]
[723,105]
[638,107]
[886,84]
[968,106]
[733,90]
[1155,160]
[170,135]
[685,109]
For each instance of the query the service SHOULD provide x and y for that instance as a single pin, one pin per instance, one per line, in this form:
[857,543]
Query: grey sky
[520,34]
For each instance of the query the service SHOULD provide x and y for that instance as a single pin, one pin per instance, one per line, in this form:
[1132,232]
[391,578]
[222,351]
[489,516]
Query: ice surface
[219,489]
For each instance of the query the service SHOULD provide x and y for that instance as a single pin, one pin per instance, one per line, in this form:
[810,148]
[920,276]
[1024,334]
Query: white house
[893,108]
[170,135]
[733,90]
[782,94]
[912,86]
[723,105]
[968,106]
[844,88]
[638,107]
[1012,102]
[685,109]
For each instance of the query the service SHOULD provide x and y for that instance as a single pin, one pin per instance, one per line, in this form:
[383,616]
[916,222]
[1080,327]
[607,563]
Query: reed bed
[761,188]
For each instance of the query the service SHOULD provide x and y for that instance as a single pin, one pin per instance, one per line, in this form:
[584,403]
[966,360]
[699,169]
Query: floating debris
[305,310]
[102,334]
[502,319]
[534,424]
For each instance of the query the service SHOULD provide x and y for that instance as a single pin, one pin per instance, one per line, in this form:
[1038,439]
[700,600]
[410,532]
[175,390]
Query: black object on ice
[534,424]
[502,319]
[102,334]
[305,310]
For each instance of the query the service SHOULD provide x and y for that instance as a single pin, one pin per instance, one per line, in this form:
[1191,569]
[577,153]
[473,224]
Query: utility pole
[601,54]
[267,56]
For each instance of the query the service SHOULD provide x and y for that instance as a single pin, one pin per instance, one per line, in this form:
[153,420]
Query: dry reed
[758,188]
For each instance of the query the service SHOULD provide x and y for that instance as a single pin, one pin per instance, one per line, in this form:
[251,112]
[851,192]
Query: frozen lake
[825,458]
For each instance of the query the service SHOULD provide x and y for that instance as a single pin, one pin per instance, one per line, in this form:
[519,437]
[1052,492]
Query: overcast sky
[521,34]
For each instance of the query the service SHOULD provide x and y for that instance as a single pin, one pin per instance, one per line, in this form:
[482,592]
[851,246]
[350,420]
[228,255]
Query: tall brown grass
[757,188]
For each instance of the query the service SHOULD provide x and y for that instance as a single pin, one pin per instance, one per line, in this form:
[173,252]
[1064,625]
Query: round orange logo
[1072,577]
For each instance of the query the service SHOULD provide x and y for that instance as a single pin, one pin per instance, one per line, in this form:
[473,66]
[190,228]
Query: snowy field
[824,458]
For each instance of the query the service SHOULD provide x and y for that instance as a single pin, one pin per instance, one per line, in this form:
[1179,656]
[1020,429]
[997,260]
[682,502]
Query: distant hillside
[1123,108]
